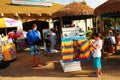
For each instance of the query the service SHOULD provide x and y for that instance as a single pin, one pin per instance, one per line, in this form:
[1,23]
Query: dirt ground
[21,69]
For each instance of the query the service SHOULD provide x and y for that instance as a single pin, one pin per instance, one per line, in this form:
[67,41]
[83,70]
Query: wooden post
[86,23]
[60,27]
[102,25]
[115,24]
[96,27]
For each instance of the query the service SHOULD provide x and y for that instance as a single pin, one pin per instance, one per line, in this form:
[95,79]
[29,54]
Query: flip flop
[39,65]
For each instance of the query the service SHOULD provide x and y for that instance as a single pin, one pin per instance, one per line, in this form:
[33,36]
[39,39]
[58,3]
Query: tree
[83,2]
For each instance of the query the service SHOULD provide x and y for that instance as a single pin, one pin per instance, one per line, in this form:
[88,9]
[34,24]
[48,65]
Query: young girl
[97,46]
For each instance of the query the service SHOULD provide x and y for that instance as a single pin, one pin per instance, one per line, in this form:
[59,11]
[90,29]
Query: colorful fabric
[70,43]
[76,48]
[85,50]
[67,49]
[67,42]
[67,57]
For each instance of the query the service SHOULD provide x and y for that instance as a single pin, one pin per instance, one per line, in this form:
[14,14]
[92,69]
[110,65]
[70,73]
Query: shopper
[48,45]
[53,38]
[33,38]
[97,46]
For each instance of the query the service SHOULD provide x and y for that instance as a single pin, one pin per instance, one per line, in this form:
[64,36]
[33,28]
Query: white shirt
[98,50]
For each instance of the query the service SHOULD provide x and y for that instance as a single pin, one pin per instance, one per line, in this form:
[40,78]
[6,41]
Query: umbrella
[15,35]
[11,34]
[19,34]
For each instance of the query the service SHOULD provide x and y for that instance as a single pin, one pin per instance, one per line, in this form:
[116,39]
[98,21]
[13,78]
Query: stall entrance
[41,25]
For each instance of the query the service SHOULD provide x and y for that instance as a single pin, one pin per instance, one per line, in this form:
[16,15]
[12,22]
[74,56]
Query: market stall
[75,48]
[7,47]
[110,9]
[7,23]
[7,50]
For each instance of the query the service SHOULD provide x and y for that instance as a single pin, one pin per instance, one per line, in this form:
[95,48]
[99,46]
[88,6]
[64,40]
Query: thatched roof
[74,9]
[7,8]
[111,6]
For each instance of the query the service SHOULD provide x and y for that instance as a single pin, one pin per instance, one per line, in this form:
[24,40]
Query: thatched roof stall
[111,8]
[75,10]
[34,12]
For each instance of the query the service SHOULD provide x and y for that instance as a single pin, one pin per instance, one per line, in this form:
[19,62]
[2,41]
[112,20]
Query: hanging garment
[84,50]
[67,49]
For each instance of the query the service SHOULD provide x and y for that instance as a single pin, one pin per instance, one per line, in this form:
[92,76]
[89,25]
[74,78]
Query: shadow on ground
[21,67]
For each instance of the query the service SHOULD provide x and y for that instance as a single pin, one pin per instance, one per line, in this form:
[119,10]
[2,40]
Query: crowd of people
[33,37]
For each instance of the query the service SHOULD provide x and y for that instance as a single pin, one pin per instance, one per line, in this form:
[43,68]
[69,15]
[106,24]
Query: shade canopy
[110,8]
[74,9]
[8,22]
[8,9]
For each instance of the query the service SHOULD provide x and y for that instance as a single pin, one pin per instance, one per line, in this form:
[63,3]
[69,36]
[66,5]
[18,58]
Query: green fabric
[89,32]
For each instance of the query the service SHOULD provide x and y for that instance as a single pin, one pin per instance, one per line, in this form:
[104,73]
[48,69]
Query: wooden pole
[60,27]
[115,24]
[6,31]
[86,23]
[102,25]
[96,27]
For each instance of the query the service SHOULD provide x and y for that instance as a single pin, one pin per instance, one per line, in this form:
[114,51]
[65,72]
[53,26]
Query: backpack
[33,37]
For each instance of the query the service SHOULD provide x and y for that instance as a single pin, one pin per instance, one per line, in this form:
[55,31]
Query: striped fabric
[71,46]
[67,49]
[84,51]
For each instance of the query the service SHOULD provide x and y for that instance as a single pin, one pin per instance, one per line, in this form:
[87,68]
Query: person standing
[48,45]
[89,32]
[33,38]
[53,38]
[97,46]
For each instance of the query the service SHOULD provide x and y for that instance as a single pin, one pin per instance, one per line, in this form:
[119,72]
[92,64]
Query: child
[48,44]
[97,46]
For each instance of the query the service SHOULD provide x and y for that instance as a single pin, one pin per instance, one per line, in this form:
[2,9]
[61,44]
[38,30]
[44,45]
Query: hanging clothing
[75,49]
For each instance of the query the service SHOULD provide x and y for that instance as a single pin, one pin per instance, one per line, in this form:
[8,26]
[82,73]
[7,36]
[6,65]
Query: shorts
[34,50]
[97,63]
[48,49]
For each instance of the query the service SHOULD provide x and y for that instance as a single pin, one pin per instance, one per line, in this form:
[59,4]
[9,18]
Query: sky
[91,3]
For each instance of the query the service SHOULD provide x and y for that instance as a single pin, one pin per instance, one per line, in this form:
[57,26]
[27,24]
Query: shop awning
[10,10]
[8,22]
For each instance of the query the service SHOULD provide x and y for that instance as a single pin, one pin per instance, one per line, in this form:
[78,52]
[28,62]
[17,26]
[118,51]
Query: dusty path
[21,69]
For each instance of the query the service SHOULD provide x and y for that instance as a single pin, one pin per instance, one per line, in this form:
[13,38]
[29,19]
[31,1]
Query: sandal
[95,75]
[39,65]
